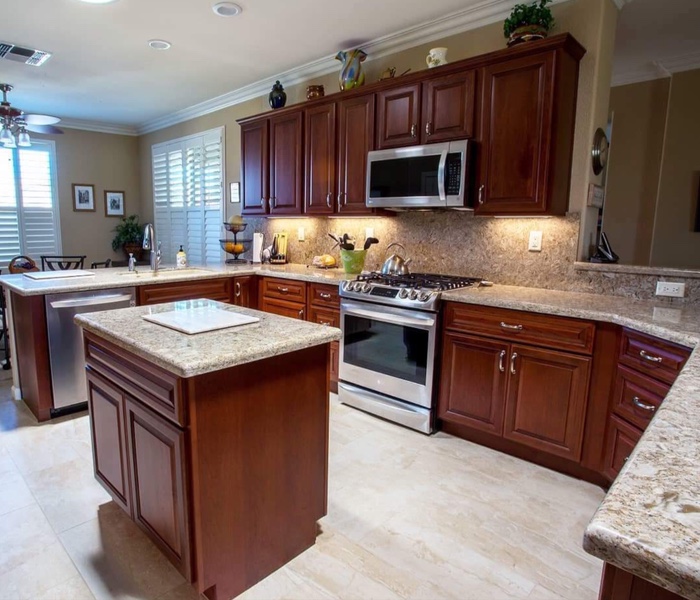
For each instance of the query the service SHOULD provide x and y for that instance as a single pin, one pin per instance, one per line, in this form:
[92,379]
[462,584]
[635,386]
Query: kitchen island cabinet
[216,444]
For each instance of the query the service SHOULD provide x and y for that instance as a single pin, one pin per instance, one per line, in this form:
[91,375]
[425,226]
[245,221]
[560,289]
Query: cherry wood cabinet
[319,159]
[618,584]
[212,289]
[505,373]
[284,308]
[436,110]
[324,309]
[244,291]
[255,167]
[286,159]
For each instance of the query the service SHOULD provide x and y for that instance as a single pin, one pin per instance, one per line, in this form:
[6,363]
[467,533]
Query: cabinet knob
[643,405]
[481,193]
[414,130]
[428,129]
[501,366]
[650,357]
[512,362]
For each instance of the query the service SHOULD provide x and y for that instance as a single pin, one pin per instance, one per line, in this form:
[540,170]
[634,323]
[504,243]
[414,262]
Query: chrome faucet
[149,243]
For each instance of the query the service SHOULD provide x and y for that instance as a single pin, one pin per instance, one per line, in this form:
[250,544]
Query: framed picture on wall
[83,197]
[114,204]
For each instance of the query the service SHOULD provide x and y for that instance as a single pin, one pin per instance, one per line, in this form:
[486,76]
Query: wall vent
[28,56]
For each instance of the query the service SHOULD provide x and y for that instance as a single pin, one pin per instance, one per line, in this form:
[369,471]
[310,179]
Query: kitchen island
[216,444]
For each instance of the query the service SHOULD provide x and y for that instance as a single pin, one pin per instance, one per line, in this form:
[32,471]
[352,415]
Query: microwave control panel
[453,173]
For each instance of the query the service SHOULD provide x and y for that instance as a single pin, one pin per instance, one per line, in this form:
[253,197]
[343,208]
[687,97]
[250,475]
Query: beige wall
[107,161]
[639,122]
[675,243]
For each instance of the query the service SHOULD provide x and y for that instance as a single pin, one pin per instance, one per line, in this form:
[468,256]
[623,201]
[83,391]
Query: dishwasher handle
[91,301]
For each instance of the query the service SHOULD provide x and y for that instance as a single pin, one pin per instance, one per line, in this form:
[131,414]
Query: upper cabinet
[436,110]
[517,105]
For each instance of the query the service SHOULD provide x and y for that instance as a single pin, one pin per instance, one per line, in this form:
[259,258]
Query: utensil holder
[353,260]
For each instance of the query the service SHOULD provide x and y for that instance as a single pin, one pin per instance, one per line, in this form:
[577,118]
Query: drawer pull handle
[511,327]
[481,193]
[282,290]
[327,323]
[501,356]
[238,289]
[650,357]
[325,295]
[414,130]
[512,362]
[428,129]
[329,195]
[262,202]
[643,405]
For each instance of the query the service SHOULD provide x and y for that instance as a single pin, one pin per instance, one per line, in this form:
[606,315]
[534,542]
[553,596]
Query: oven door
[388,350]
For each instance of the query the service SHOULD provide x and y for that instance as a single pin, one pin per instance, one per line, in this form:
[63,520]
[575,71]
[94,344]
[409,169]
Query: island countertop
[649,522]
[190,355]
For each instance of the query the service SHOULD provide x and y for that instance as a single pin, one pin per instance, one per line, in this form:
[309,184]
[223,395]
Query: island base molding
[226,472]
[618,584]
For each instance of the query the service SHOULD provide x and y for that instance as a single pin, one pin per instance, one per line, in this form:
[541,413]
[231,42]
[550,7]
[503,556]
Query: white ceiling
[655,38]
[102,69]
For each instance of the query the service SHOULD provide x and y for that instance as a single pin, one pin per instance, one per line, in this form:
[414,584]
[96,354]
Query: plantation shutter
[188,196]
[29,221]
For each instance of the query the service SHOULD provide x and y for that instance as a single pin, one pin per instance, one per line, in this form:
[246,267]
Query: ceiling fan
[15,123]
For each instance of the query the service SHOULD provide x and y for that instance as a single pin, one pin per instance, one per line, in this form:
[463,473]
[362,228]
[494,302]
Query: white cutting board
[59,274]
[200,320]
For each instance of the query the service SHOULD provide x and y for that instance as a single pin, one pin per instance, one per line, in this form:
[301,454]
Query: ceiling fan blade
[44,129]
[40,119]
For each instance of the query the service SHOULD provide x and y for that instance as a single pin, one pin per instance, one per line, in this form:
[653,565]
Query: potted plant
[528,22]
[129,237]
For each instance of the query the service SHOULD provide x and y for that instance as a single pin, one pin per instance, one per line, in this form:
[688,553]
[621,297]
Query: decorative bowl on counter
[235,227]
[235,248]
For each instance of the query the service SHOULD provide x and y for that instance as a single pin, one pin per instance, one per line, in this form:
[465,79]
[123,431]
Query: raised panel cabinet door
[213,289]
[243,291]
[620,440]
[546,400]
[158,472]
[516,136]
[448,107]
[284,308]
[355,140]
[473,382]
[109,446]
[286,164]
[319,159]
[255,167]
[398,117]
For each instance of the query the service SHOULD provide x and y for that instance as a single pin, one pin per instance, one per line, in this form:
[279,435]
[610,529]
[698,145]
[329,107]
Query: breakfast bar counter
[216,443]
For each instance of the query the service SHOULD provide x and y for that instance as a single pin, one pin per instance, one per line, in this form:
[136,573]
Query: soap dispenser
[181,258]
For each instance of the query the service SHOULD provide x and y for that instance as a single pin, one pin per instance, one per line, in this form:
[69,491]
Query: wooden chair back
[62,263]
[104,264]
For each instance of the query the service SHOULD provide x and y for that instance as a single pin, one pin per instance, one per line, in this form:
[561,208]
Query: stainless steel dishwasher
[66,342]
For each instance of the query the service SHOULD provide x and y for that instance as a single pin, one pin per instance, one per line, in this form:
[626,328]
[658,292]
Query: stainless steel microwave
[430,176]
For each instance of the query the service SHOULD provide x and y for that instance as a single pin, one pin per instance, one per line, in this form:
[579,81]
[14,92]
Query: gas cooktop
[417,290]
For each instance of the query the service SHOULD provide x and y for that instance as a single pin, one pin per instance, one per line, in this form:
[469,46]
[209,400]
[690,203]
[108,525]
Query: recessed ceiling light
[227,9]
[159,44]
[98,1]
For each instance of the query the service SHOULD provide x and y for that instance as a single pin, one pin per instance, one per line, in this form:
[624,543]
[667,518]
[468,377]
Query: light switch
[369,232]
[300,234]
[535,244]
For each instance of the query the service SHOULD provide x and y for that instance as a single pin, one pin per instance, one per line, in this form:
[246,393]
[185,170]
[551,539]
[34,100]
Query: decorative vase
[436,57]
[314,91]
[134,248]
[277,97]
[527,33]
[351,75]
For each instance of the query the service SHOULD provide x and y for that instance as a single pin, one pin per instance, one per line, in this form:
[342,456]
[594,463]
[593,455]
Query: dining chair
[104,264]
[62,263]
[22,264]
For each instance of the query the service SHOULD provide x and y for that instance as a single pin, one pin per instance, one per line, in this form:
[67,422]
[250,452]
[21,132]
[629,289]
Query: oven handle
[424,322]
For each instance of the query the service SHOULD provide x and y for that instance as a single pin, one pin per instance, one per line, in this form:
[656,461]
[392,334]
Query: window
[188,196]
[29,220]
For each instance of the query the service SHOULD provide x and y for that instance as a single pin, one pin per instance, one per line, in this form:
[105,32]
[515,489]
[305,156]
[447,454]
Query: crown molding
[473,17]
[658,69]
[99,127]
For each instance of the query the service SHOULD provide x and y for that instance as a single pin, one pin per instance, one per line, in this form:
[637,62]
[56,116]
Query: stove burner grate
[420,281]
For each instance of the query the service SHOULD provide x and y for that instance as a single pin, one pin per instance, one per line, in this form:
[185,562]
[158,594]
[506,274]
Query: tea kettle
[396,264]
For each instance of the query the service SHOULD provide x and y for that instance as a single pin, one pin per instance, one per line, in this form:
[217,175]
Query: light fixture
[227,9]
[6,137]
[23,139]
[159,44]
[14,122]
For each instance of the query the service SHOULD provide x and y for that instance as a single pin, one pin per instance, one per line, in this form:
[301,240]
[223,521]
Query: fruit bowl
[235,248]
[235,227]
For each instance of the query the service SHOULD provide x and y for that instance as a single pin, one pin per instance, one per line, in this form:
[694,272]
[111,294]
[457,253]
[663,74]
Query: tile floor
[409,517]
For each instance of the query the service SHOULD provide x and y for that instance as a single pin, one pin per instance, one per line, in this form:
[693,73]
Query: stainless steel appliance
[66,342]
[387,355]
[430,176]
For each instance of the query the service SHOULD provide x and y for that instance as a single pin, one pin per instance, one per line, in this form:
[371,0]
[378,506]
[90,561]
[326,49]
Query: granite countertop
[649,522]
[121,277]
[189,355]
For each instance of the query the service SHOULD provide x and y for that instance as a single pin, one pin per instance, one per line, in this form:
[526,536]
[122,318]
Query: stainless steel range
[387,355]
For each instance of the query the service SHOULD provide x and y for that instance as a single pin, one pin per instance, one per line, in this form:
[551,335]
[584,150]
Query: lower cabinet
[618,584]
[212,289]
[139,457]
[244,288]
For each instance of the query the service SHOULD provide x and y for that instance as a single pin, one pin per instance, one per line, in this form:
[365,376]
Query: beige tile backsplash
[458,243]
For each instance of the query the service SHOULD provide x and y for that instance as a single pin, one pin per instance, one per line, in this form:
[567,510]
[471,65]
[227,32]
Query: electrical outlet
[369,232]
[535,244]
[300,234]
[669,288]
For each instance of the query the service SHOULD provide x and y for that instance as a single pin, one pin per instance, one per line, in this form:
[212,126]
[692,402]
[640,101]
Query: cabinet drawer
[284,289]
[155,387]
[637,397]
[559,333]
[212,289]
[661,359]
[324,316]
[284,308]
[324,295]
[620,441]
